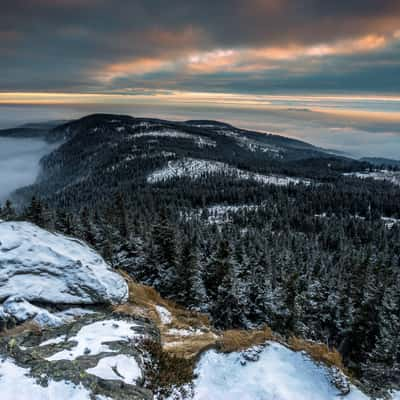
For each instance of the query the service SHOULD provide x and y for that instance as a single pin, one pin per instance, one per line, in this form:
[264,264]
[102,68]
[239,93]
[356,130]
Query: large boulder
[46,267]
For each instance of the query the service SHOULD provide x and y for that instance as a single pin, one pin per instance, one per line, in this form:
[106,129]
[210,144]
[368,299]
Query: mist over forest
[19,162]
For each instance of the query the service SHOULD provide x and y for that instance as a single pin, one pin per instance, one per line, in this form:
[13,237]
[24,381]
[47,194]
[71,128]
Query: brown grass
[147,298]
[19,329]
[318,351]
[236,340]
[169,371]
[143,301]
[189,347]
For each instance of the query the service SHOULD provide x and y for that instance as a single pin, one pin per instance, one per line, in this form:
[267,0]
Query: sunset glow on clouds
[252,47]
[245,60]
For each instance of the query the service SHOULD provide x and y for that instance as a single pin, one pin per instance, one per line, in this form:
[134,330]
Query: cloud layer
[253,46]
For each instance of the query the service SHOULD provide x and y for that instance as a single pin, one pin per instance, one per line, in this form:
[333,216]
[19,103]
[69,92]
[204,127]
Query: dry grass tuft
[318,351]
[30,326]
[143,301]
[168,372]
[236,340]
[189,347]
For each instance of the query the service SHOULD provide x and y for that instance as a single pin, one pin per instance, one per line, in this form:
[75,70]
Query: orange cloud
[258,59]
[361,45]
[187,38]
[138,66]
[9,36]
[237,60]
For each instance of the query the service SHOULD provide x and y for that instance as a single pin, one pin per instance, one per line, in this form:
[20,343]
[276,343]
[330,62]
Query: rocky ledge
[99,357]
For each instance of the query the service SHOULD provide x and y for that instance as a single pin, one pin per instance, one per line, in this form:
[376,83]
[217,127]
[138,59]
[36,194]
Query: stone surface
[21,310]
[51,268]
[120,344]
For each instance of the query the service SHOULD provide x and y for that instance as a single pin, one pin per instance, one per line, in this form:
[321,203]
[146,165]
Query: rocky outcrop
[46,267]
[100,356]
[66,352]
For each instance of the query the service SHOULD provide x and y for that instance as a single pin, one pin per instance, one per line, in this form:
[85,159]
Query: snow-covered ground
[279,374]
[197,168]
[390,222]
[92,339]
[51,268]
[198,140]
[379,175]
[252,145]
[16,384]
[219,214]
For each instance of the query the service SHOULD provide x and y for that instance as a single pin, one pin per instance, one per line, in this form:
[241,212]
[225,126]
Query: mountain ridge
[102,149]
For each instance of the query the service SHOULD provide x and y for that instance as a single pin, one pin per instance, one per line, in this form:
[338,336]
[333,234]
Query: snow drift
[51,268]
[277,374]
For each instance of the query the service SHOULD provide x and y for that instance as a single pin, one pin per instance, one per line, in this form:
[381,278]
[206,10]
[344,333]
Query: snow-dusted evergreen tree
[226,311]
[122,219]
[8,211]
[190,287]
[219,266]
[165,255]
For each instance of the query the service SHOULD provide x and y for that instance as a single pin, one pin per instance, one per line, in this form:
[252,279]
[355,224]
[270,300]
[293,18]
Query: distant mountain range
[102,153]
[378,161]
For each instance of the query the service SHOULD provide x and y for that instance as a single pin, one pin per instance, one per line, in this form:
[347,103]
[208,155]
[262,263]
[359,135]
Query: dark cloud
[83,45]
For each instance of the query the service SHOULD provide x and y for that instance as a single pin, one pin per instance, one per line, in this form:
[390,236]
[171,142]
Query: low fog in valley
[19,163]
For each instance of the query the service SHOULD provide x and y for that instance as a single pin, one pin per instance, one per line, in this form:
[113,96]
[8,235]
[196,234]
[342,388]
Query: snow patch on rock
[164,314]
[57,340]
[92,339]
[22,311]
[121,368]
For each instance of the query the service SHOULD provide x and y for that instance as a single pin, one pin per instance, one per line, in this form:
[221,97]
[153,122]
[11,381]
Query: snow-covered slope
[200,141]
[278,374]
[218,214]
[45,267]
[378,175]
[197,168]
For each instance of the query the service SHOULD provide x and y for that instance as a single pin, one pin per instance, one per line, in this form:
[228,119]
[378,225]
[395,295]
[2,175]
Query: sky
[280,65]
